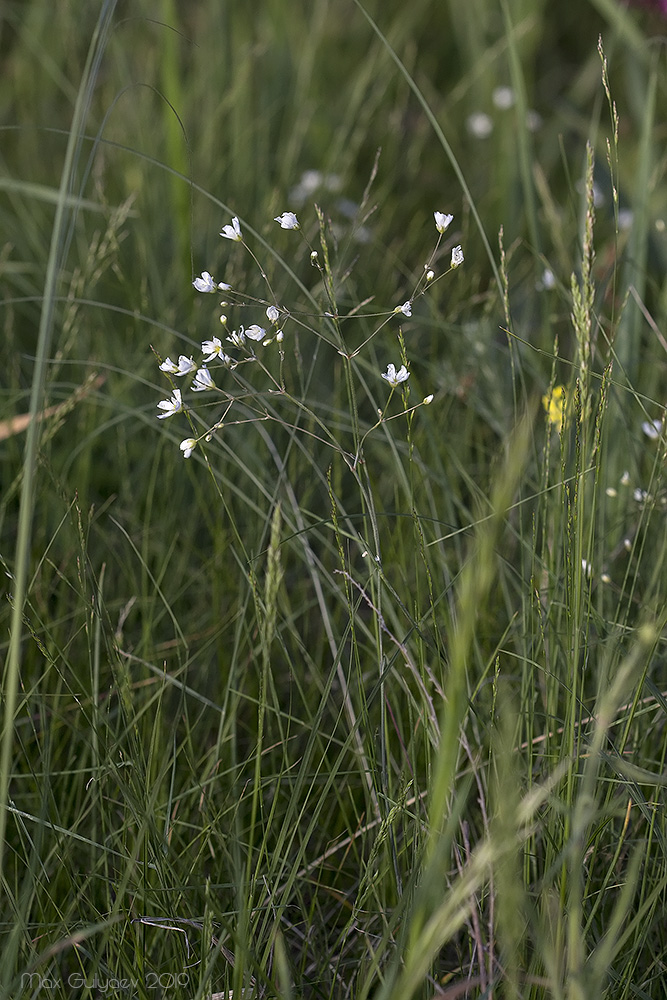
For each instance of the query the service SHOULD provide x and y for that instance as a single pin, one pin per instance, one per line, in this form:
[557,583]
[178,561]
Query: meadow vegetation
[340,680]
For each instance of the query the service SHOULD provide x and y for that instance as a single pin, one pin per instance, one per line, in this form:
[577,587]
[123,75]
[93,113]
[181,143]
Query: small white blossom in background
[430,275]
[311,181]
[170,406]
[187,447]
[442,221]
[625,478]
[348,208]
[598,194]
[168,366]
[206,283]
[203,381]
[254,332]
[287,220]
[427,400]
[652,429]
[393,377]
[406,308]
[503,98]
[273,314]
[586,567]
[232,232]
[547,281]
[533,120]
[479,125]
[457,256]
[625,219]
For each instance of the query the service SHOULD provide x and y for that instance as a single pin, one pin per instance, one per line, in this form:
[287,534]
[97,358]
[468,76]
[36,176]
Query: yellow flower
[556,405]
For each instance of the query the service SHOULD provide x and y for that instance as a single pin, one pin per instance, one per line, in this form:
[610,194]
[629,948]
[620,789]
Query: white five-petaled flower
[406,308]
[187,447]
[287,220]
[393,377]
[273,314]
[206,283]
[232,232]
[211,349]
[442,221]
[255,332]
[169,367]
[457,256]
[170,406]
[203,381]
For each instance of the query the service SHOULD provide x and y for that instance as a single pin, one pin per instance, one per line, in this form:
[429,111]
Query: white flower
[442,221]
[287,220]
[625,218]
[279,336]
[232,232]
[406,308]
[652,429]
[273,314]
[533,120]
[479,125]
[430,275]
[393,377]
[187,447]
[503,98]
[170,406]
[206,283]
[548,280]
[237,339]
[427,400]
[203,381]
[169,367]
[211,349]
[185,366]
[254,332]
[311,180]
[457,256]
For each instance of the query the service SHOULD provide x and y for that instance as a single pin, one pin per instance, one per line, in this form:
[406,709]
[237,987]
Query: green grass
[367,697]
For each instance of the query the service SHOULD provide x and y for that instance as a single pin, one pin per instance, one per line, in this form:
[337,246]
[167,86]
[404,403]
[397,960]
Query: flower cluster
[239,344]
